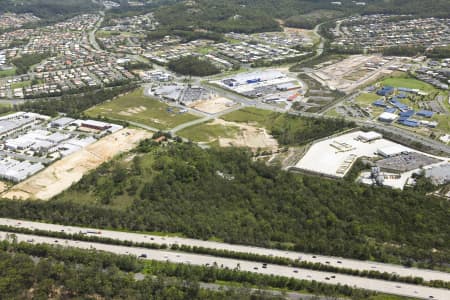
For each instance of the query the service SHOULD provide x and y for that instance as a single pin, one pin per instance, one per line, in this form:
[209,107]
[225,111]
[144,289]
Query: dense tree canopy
[48,8]
[221,193]
[193,66]
[26,61]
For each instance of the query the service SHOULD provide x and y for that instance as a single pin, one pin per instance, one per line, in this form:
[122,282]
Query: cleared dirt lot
[248,136]
[213,106]
[352,72]
[69,170]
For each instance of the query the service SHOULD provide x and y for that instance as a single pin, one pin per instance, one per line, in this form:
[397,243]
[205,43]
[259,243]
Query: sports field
[7,73]
[408,82]
[138,108]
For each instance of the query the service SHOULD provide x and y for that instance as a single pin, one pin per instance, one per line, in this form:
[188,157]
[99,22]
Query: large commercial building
[30,141]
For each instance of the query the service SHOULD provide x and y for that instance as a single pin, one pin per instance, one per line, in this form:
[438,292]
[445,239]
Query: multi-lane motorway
[196,259]
[427,275]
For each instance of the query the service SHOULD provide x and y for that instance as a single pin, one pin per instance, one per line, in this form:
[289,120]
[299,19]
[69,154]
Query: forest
[49,9]
[193,66]
[178,188]
[249,16]
[73,105]
[216,16]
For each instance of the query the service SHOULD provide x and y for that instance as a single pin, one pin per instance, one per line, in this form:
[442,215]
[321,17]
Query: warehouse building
[425,113]
[370,136]
[439,174]
[17,171]
[61,122]
[391,151]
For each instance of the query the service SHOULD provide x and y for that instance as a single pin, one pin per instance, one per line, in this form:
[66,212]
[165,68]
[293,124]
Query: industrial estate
[299,148]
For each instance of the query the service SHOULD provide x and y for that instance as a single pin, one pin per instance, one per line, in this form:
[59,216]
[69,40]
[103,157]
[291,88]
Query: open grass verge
[138,108]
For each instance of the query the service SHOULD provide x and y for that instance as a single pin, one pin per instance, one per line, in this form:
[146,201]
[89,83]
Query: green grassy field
[263,118]
[20,84]
[7,73]
[105,33]
[408,82]
[444,122]
[136,107]
[208,132]
[366,98]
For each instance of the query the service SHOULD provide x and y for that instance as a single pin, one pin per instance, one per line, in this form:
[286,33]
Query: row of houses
[12,20]
[376,32]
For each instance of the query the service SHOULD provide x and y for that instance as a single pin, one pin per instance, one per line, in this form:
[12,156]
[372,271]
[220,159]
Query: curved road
[195,259]
[427,275]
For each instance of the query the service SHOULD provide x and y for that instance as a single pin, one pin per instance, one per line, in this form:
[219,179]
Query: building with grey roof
[439,174]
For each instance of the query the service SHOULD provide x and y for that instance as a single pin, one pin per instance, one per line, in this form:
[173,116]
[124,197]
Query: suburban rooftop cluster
[376,32]
[12,20]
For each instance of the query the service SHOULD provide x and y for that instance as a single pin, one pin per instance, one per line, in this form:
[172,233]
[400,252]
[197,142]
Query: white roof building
[369,136]
[391,150]
[387,117]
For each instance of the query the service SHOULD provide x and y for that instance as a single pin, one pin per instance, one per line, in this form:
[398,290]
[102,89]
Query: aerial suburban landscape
[240,149]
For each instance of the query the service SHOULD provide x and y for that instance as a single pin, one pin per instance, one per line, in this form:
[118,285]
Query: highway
[401,289]
[427,275]
[91,34]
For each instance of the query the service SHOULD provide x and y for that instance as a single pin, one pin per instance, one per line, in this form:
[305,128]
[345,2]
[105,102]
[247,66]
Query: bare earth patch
[69,170]
[213,106]
[249,136]
[132,111]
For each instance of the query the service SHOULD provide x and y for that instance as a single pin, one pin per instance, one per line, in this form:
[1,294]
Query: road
[427,275]
[321,45]
[174,130]
[91,34]
[395,288]
[373,125]
[411,136]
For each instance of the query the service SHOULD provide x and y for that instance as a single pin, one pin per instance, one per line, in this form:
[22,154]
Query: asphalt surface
[427,275]
[395,288]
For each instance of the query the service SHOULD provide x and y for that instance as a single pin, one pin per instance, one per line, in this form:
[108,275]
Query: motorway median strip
[236,255]
[206,274]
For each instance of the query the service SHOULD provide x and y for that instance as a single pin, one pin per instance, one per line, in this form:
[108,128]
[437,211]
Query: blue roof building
[425,113]
[385,91]
[408,113]
[403,107]
[409,123]
[379,103]
[402,96]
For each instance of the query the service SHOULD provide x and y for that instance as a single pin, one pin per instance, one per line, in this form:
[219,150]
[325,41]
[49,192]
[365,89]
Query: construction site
[41,156]
[65,172]
[357,70]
